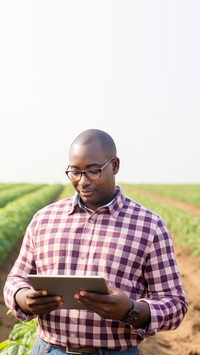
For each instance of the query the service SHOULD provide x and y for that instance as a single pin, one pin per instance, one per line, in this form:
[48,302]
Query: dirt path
[183,341]
[169,201]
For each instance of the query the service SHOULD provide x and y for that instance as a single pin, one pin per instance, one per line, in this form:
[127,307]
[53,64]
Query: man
[99,231]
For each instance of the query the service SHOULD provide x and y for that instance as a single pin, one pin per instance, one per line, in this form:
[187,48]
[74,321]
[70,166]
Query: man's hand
[37,302]
[114,306]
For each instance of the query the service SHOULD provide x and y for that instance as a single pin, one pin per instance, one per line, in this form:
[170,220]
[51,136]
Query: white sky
[131,68]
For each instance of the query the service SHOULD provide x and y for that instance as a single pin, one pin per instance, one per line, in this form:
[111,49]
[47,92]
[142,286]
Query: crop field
[19,205]
[178,205]
[186,193]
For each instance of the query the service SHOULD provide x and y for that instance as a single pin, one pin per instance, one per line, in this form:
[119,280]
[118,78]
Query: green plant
[21,339]
[67,191]
[8,195]
[16,215]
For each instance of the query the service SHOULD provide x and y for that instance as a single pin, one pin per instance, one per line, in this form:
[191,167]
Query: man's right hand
[37,302]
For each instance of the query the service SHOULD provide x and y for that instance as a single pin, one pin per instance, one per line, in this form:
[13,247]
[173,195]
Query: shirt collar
[114,206]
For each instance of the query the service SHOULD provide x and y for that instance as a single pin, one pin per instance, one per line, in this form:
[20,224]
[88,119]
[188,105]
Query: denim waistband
[41,348]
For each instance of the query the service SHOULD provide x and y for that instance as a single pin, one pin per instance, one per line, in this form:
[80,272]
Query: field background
[179,206]
[129,68]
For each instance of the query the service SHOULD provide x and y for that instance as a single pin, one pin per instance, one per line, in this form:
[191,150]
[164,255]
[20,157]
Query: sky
[130,68]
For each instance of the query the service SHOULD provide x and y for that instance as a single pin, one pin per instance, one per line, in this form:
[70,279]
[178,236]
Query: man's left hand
[114,305]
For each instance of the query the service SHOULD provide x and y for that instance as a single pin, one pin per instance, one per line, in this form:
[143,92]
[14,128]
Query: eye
[93,172]
[75,173]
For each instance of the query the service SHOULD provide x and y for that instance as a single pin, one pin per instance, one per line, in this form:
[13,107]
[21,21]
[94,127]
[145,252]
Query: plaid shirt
[124,242]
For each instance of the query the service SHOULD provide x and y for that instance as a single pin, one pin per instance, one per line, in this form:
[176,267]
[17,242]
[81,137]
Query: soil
[169,201]
[183,341]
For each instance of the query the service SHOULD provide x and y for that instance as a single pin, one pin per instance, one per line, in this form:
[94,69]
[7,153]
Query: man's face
[93,193]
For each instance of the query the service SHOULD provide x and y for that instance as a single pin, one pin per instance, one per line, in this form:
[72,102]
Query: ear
[115,164]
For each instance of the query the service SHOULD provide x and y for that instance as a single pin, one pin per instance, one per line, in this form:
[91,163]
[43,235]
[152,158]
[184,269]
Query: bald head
[99,137]
[93,165]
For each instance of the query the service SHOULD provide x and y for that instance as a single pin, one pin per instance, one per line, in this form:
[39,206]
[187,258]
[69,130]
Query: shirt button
[91,221]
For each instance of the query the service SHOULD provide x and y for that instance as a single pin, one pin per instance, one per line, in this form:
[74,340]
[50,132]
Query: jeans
[42,348]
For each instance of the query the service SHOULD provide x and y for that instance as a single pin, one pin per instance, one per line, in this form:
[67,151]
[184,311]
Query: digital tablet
[67,286]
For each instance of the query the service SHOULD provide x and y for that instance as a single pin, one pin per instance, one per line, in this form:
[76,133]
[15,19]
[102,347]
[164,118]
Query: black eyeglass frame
[67,172]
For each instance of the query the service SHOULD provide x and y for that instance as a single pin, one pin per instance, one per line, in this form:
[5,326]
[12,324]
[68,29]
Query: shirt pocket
[51,264]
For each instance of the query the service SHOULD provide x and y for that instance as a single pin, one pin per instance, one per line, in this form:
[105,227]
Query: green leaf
[15,350]
[4,344]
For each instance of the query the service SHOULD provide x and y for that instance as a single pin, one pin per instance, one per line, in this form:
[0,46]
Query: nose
[84,181]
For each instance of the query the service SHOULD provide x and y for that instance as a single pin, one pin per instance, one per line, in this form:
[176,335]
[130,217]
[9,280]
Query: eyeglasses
[91,174]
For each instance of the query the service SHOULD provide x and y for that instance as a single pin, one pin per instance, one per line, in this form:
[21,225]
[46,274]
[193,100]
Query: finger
[42,308]
[46,299]
[36,293]
[96,297]
[94,301]
[50,303]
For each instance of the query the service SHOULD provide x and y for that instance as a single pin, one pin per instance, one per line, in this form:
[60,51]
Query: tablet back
[67,286]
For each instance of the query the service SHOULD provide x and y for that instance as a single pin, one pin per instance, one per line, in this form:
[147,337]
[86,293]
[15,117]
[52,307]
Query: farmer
[99,231]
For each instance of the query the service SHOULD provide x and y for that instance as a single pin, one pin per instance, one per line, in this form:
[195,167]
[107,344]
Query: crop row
[8,195]
[6,186]
[67,191]
[182,224]
[16,215]
[185,193]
